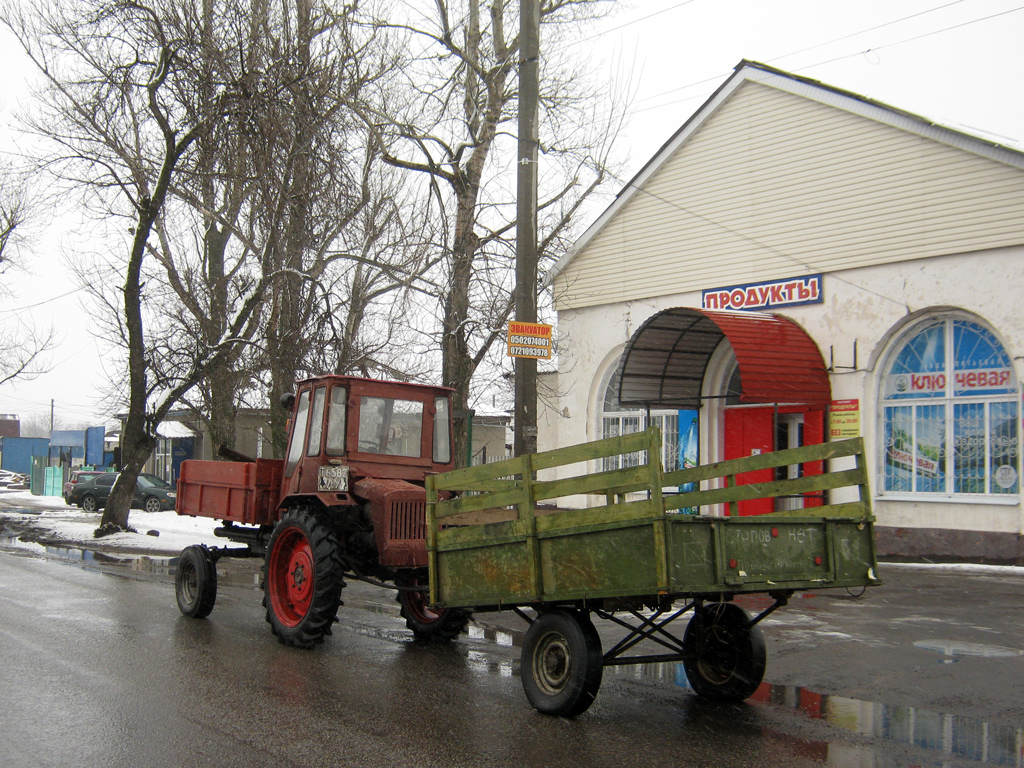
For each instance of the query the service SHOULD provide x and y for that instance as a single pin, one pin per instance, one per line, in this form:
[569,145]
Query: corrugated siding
[774,185]
[665,360]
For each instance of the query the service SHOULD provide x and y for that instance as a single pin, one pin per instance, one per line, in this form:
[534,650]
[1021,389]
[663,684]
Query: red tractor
[347,501]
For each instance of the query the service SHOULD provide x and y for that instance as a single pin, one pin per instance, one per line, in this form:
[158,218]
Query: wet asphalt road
[97,668]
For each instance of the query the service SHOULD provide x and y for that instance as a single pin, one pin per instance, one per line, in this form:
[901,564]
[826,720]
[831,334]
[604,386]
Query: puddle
[954,649]
[504,638]
[964,738]
[64,553]
[950,736]
[159,566]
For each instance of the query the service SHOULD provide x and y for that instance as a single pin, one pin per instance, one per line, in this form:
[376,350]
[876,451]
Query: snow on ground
[70,525]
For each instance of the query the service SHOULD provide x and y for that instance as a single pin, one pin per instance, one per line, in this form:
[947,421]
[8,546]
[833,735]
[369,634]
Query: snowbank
[49,518]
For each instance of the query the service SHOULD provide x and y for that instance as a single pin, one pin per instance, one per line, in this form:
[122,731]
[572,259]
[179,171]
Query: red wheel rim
[290,577]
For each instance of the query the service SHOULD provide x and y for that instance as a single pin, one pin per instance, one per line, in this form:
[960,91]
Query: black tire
[195,582]
[561,663]
[89,504]
[725,659]
[152,504]
[432,625]
[302,579]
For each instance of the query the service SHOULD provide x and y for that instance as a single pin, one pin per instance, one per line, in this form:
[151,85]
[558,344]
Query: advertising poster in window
[957,430]
[689,447]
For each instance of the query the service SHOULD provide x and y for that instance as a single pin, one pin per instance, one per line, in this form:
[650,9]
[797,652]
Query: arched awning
[664,362]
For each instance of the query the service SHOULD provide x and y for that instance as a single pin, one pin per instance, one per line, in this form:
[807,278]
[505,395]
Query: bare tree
[22,346]
[448,122]
[327,210]
[123,113]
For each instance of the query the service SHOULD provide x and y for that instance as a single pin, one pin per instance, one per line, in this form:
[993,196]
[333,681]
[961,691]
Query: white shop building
[797,263]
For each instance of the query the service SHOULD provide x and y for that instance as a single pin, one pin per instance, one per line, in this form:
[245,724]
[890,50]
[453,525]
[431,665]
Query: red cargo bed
[245,492]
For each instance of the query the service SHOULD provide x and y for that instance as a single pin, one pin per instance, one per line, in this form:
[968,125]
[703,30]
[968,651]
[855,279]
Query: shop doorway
[757,380]
[750,431]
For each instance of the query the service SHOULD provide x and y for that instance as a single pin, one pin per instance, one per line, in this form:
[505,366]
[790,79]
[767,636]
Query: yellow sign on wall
[844,419]
[529,340]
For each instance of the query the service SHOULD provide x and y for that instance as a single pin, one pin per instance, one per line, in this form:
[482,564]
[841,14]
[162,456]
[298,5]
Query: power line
[44,301]
[634,21]
[719,77]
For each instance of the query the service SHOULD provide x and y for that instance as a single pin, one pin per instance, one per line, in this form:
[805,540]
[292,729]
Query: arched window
[949,413]
[618,420]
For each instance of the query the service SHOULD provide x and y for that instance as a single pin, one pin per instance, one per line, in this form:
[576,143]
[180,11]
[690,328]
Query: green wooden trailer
[557,533]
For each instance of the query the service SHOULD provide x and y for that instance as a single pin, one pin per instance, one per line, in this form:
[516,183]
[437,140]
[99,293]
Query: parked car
[77,475]
[151,493]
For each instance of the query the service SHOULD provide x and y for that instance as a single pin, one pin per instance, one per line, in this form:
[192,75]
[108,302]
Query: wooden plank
[527,516]
[850,509]
[492,486]
[789,487]
[491,539]
[611,446]
[614,481]
[808,453]
[568,519]
[461,479]
[463,504]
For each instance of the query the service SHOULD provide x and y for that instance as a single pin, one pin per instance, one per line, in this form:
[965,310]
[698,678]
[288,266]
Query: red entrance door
[752,431]
[749,432]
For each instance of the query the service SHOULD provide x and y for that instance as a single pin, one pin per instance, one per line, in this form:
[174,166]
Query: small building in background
[10,425]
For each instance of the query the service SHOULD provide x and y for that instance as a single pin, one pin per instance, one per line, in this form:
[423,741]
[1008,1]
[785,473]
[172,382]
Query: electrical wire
[44,301]
[721,76]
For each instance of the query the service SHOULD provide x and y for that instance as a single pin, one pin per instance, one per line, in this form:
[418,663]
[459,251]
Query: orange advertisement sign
[529,340]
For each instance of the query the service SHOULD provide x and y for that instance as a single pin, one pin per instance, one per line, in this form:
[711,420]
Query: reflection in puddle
[64,553]
[953,648]
[961,737]
[502,637]
[954,736]
[160,566]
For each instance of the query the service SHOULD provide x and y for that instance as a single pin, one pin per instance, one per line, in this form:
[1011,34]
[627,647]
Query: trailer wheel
[437,625]
[561,663]
[725,658]
[195,582]
[302,579]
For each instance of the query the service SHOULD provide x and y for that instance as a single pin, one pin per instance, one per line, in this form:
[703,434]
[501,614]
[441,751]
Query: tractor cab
[344,429]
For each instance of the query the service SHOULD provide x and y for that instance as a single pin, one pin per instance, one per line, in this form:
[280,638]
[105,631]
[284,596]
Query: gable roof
[801,101]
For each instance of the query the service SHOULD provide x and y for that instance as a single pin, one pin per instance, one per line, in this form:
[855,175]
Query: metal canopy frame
[666,359]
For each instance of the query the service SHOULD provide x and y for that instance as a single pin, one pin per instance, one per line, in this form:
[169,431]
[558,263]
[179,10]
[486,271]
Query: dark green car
[151,493]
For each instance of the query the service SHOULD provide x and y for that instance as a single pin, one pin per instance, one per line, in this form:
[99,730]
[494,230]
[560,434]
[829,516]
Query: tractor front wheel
[302,579]
[437,625]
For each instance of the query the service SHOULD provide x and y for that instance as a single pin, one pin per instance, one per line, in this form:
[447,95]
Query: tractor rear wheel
[437,625]
[302,579]
[195,582]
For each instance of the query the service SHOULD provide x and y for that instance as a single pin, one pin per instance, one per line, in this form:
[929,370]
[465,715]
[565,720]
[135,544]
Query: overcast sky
[957,63]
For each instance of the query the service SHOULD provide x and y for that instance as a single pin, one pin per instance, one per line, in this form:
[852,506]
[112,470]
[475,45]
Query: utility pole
[526,221]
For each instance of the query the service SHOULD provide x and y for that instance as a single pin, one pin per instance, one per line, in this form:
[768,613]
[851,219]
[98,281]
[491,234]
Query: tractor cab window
[336,422]
[389,426]
[442,431]
[298,433]
[313,448]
